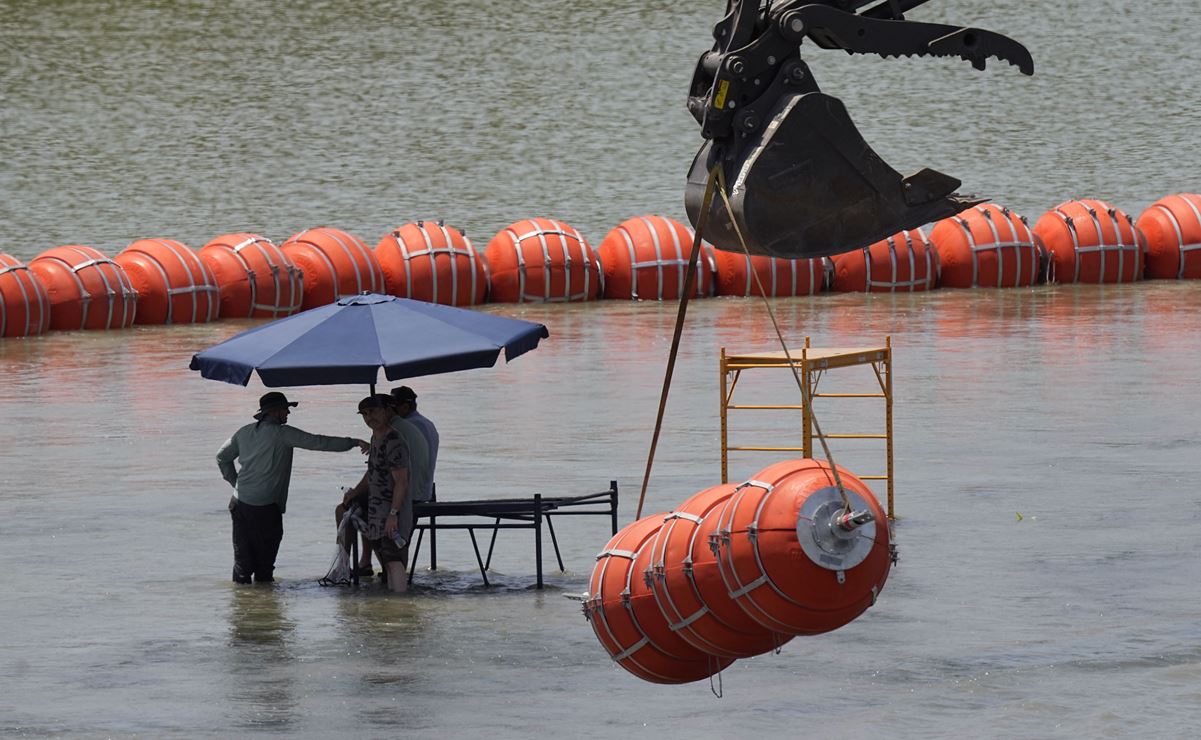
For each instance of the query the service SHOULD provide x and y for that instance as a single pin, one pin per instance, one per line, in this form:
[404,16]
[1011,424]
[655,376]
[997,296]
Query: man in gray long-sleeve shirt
[264,450]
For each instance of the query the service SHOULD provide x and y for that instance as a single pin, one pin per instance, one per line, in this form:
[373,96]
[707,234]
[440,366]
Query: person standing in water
[389,505]
[264,451]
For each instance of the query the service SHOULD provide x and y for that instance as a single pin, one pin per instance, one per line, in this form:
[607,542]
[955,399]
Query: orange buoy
[626,619]
[173,285]
[647,258]
[431,262]
[335,263]
[986,246]
[1090,241]
[256,279]
[24,305]
[676,554]
[791,555]
[86,289]
[1172,229]
[780,277]
[540,260]
[902,263]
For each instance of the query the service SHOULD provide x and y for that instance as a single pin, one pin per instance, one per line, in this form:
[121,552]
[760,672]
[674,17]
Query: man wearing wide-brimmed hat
[264,451]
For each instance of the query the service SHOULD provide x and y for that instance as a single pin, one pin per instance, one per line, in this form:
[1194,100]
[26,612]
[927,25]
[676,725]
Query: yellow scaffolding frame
[811,363]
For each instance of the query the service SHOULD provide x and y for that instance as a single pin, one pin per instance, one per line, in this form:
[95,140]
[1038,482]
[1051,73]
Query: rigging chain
[717,178]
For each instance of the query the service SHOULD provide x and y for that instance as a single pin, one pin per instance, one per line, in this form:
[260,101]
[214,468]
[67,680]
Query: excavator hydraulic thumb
[801,180]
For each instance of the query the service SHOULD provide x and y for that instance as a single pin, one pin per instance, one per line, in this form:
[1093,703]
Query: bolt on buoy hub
[831,536]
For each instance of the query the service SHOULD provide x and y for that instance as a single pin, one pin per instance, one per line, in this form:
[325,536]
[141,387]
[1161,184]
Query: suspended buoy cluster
[738,570]
[541,260]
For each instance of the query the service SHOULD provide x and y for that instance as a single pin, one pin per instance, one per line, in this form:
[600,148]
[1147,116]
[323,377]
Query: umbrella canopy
[348,341]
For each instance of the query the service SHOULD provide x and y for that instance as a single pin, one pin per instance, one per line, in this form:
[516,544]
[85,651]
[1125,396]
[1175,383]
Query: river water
[1047,439]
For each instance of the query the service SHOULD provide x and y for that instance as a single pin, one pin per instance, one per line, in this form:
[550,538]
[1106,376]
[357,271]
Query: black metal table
[507,513]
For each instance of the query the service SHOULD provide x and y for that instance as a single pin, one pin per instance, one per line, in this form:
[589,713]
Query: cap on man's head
[371,402]
[273,400]
[403,394]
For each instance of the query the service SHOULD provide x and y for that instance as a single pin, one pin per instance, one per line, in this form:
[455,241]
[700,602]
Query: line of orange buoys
[243,275]
[738,570]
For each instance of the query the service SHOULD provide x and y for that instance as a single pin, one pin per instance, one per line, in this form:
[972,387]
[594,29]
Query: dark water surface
[1075,407]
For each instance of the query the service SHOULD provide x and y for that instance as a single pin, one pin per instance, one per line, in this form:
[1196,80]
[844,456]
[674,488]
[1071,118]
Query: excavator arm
[802,181]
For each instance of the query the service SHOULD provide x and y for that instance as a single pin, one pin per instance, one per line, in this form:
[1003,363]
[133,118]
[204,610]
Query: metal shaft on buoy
[852,520]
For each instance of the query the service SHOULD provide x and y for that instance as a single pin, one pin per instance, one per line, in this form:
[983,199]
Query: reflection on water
[261,670]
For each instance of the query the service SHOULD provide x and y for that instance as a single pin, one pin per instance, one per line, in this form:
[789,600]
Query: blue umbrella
[348,341]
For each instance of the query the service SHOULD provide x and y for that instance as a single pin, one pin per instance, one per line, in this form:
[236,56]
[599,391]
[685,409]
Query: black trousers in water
[257,534]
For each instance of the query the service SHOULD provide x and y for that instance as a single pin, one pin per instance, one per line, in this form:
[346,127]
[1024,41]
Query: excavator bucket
[802,181]
[809,186]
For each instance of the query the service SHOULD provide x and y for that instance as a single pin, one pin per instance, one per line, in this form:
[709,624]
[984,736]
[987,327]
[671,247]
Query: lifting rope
[717,178]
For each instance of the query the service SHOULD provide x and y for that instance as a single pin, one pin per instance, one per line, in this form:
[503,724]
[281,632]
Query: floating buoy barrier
[780,277]
[686,581]
[789,555]
[24,305]
[173,285]
[902,263]
[255,278]
[1172,228]
[626,619]
[737,570]
[1090,241]
[646,258]
[86,289]
[986,246]
[335,263]
[429,261]
[540,260]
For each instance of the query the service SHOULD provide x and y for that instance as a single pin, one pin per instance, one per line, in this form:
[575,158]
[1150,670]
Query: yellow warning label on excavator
[719,101]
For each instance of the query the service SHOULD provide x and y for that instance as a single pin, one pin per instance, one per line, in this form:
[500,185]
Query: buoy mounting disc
[825,542]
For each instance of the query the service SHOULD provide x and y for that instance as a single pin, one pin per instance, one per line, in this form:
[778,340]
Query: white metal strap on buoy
[42,299]
[1183,248]
[1015,241]
[617,554]
[329,265]
[773,268]
[684,515]
[677,626]
[563,232]
[1102,247]
[250,274]
[362,252]
[408,255]
[207,287]
[762,579]
[893,283]
[633,648]
[276,261]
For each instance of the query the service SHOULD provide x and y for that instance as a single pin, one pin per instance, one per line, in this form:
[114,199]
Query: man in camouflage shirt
[389,505]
